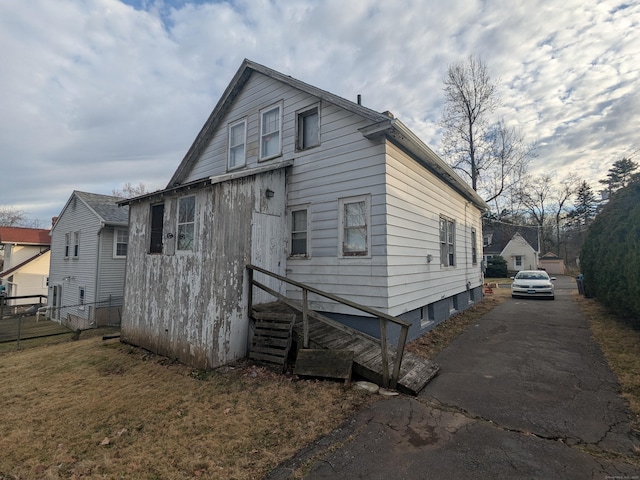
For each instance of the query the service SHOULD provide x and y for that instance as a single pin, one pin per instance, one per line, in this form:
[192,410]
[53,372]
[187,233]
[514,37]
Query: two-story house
[308,185]
[88,252]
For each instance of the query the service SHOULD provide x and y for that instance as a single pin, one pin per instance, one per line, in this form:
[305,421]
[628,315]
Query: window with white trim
[474,247]
[447,242]
[355,227]
[270,132]
[67,245]
[120,242]
[237,144]
[299,233]
[186,223]
[518,260]
[308,128]
[76,244]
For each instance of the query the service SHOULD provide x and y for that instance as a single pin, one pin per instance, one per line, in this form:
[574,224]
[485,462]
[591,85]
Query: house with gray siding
[88,257]
[308,185]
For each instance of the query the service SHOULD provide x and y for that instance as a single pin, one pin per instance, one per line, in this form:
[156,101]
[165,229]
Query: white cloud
[97,93]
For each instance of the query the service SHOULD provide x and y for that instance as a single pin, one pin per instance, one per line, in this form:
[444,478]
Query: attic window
[308,126]
[270,132]
[237,144]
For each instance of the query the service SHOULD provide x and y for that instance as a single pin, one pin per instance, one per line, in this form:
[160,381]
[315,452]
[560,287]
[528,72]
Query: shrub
[610,256]
[496,267]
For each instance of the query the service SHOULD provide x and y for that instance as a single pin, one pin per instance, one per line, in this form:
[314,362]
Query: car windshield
[532,276]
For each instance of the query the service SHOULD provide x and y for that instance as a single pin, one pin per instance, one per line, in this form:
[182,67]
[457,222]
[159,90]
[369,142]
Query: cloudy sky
[96,93]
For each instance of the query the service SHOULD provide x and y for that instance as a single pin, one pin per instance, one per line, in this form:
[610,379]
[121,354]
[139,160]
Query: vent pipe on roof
[359,99]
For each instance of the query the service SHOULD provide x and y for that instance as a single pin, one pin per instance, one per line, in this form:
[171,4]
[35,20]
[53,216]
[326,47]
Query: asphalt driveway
[524,393]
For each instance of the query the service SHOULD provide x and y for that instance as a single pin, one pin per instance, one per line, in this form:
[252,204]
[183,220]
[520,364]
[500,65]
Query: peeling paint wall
[192,306]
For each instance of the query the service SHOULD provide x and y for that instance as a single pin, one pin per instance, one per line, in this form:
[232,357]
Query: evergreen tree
[620,175]
[585,204]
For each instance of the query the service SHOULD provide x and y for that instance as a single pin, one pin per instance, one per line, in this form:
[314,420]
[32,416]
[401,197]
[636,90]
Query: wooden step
[271,340]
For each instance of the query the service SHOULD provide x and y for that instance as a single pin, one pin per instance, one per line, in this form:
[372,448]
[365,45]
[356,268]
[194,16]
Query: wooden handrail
[382,317]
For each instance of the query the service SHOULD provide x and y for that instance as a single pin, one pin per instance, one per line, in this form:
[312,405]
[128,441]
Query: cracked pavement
[523,393]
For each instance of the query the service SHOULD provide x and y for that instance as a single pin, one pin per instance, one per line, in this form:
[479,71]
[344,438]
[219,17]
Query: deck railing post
[250,292]
[305,317]
[385,353]
[404,331]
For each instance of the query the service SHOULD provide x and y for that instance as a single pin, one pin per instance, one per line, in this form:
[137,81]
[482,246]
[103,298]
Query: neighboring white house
[518,245]
[313,187]
[88,256]
[25,270]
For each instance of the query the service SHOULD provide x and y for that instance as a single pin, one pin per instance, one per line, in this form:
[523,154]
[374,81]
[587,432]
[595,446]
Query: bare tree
[130,190]
[13,217]
[536,199]
[470,99]
[492,156]
[561,196]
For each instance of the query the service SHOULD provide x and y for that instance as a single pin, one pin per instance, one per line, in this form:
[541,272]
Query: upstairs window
[120,241]
[67,245]
[355,231]
[270,132]
[76,244]
[186,223]
[308,129]
[237,144]
[447,242]
[157,228]
[299,235]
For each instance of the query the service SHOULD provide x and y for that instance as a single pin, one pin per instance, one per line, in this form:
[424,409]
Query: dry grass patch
[93,409]
[436,340]
[620,343]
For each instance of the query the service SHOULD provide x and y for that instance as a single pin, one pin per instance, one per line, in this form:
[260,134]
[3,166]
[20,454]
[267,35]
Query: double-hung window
[355,231]
[474,247]
[76,244]
[120,241]
[186,223]
[237,144]
[67,245]
[447,242]
[308,128]
[299,233]
[270,132]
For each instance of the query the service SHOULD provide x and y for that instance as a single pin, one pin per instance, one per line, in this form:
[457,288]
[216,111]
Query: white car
[532,283]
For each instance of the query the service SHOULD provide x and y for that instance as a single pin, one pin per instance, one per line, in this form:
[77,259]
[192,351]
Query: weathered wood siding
[415,200]
[72,273]
[193,306]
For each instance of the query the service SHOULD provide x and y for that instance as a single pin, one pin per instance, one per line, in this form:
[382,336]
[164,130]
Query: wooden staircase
[415,372]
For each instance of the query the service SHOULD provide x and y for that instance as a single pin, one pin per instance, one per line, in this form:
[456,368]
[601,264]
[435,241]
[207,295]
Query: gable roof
[501,234]
[24,236]
[104,207]
[382,124]
[9,271]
